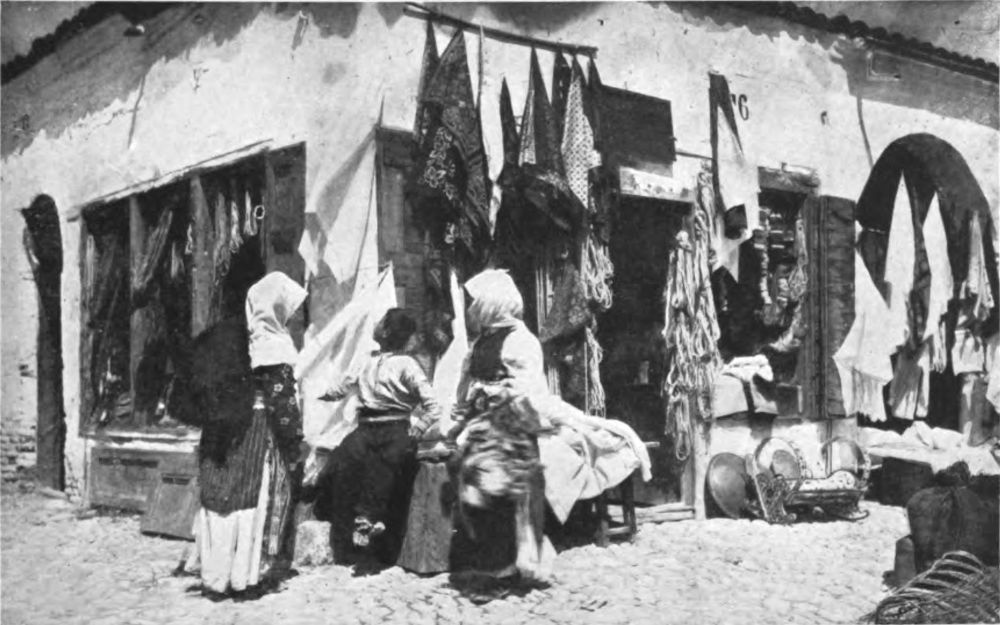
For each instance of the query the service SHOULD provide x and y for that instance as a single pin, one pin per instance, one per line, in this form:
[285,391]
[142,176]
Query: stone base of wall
[17,457]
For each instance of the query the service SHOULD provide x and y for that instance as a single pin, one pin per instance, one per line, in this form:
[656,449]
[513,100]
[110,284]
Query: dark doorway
[43,244]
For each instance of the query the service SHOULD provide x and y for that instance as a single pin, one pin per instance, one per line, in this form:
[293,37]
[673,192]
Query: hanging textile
[909,391]
[562,75]
[578,153]
[591,103]
[428,67]
[570,311]
[942,285]
[899,265]
[735,179]
[690,326]
[221,253]
[863,359]
[508,239]
[975,291]
[235,232]
[543,172]
[152,257]
[975,304]
[450,188]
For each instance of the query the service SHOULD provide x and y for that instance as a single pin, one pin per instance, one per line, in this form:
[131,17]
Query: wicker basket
[957,589]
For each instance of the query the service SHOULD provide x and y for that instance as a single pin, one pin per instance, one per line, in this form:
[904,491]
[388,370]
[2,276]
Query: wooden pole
[699,458]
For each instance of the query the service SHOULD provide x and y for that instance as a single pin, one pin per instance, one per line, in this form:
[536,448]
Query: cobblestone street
[102,571]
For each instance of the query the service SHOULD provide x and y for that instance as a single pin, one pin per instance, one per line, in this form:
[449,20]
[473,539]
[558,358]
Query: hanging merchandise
[428,66]
[735,179]
[221,253]
[797,281]
[543,173]
[508,239]
[942,285]
[150,260]
[975,304]
[562,75]
[235,233]
[596,400]
[176,262]
[863,359]
[450,186]
[578,153]
[909,391]
[690,325]
[249,217]
[899,264]
[597,274]
[570,312]
[976,292]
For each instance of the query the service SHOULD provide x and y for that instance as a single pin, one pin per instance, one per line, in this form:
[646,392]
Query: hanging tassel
[189,245]
[235,236]
[595,354]
[176,262]
[250,223]
[597,272]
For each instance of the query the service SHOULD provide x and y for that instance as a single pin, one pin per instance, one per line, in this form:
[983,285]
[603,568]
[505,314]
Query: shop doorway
[634,364]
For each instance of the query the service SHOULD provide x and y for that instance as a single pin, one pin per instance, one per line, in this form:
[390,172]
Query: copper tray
[727,484]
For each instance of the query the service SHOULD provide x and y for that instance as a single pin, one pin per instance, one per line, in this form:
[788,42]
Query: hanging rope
[690,326]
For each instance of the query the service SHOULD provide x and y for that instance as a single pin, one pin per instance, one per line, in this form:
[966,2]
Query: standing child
[390,386]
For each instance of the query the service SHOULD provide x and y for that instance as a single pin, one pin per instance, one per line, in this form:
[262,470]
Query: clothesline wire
[414,9]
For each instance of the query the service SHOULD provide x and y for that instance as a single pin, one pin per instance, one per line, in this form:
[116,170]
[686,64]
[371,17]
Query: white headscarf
[496,302]
[271,302]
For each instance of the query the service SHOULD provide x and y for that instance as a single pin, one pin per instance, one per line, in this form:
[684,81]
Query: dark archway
[43,244]
[931,165]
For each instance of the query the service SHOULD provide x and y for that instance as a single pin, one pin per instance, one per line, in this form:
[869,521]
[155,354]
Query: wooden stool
[626,493]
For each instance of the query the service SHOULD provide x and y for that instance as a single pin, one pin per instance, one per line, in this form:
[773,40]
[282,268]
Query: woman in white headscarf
[522,446]
[241,389]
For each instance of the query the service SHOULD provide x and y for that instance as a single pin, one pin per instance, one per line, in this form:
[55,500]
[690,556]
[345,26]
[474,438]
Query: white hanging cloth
[899,261]
[942,285]
[863,361]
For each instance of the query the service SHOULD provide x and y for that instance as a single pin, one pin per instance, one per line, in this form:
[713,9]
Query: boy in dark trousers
[390,386]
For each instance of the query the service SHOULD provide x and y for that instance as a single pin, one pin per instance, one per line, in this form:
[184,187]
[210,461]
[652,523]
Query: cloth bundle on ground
[959,512]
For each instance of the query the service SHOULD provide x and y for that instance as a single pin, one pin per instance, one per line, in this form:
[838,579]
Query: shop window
[161,266]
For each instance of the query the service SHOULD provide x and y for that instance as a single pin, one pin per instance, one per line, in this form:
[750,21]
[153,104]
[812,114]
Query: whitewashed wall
[106,111]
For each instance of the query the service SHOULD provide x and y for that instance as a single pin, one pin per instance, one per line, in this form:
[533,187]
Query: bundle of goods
[957,589]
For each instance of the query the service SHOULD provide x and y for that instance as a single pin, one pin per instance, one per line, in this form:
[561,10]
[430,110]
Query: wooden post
[43,244]
[137,330]
[699,458]
[202,264]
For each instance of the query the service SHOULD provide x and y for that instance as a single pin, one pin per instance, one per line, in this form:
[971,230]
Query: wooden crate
[127,478]
[173,507]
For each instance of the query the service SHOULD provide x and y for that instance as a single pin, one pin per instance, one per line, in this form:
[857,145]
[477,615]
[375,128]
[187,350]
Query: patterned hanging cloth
[562,76]
[508,240]
[578,153]
[450,187]
[428,66]
[543,172]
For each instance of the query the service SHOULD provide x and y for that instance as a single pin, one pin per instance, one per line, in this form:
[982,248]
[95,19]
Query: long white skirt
[229,546]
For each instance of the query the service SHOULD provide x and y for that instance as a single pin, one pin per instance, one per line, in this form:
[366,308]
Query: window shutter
[285,216]
[830,235]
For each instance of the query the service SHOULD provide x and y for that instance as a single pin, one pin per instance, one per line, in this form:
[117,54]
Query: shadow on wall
[918,86]
[537,18]
[89,72]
